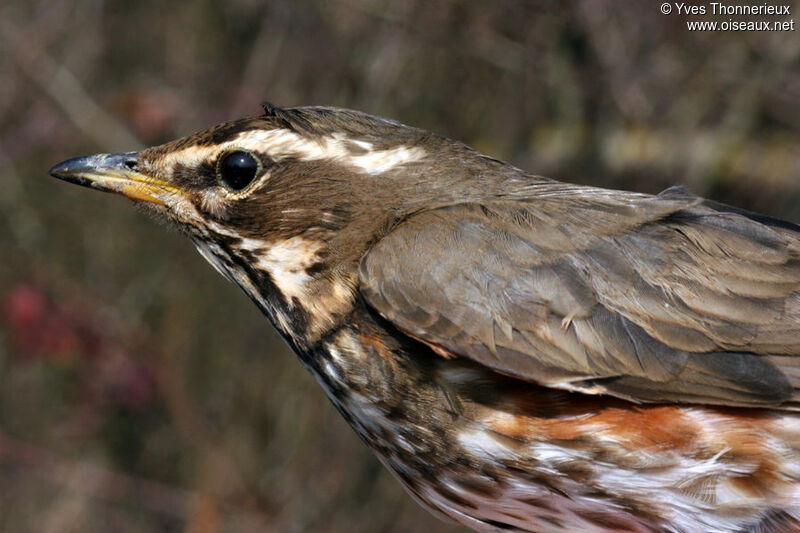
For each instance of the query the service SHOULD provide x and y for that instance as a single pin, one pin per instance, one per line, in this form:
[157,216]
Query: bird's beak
[117,173]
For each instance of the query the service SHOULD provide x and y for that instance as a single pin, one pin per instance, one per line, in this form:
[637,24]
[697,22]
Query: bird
[522,353]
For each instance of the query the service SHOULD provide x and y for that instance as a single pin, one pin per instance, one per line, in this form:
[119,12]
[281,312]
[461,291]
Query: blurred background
[139,391]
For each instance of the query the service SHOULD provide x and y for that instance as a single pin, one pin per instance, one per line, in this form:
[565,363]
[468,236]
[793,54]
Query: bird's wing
[650,298]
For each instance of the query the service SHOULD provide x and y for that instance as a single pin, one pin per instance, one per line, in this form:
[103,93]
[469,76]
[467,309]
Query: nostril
[131,164]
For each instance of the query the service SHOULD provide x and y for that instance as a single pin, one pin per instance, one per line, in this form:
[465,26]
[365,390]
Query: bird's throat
[286,280]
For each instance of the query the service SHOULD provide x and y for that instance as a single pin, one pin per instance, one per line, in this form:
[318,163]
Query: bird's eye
[236,170]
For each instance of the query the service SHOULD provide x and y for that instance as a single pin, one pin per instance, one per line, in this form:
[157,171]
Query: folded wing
[650,298]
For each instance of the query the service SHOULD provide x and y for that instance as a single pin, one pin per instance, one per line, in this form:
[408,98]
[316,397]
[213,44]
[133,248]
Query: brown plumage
[524,354]
[701,306]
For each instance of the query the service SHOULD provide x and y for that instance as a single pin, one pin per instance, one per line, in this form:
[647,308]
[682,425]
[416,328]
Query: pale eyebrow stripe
[282,144]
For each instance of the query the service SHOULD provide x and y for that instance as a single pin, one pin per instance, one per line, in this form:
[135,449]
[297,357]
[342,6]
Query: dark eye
[237,169]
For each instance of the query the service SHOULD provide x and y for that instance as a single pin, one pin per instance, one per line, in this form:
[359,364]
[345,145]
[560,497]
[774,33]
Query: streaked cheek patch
[213,202]
[286,261]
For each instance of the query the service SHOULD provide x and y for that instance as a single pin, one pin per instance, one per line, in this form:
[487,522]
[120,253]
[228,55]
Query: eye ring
[237,169]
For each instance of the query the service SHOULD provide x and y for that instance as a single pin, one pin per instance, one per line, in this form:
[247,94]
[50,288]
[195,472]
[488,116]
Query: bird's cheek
[180,208]
[212,202]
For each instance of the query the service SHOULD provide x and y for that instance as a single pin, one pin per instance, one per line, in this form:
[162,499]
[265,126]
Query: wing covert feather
[651,298]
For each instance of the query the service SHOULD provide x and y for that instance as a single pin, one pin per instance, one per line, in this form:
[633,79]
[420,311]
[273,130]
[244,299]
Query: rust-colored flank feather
[523,354]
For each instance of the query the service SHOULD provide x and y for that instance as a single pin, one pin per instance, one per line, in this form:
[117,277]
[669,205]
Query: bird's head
[285,204]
